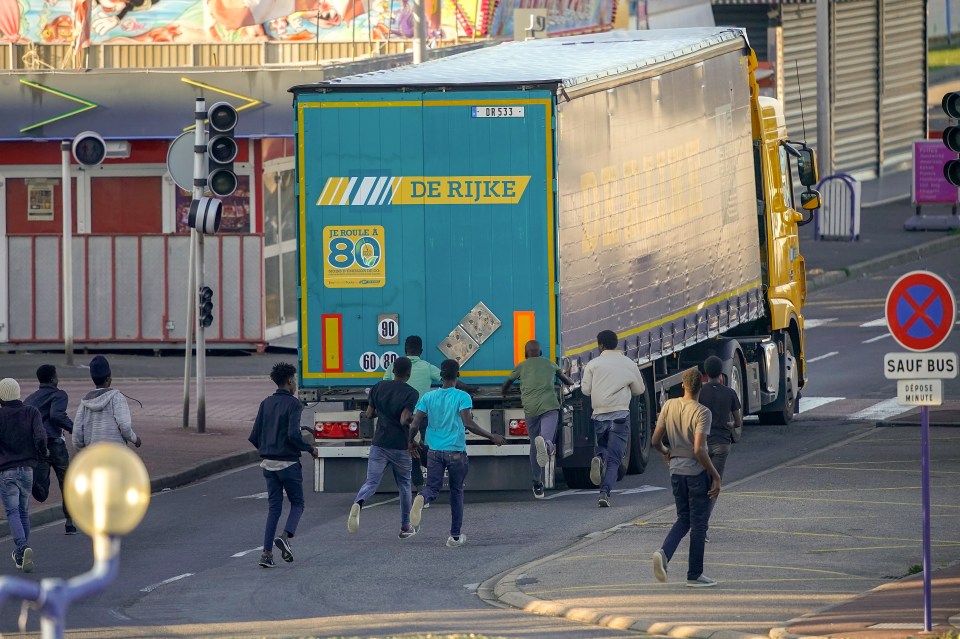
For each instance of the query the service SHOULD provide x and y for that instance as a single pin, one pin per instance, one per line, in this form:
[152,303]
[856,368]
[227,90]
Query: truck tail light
[337,430]
[518,427]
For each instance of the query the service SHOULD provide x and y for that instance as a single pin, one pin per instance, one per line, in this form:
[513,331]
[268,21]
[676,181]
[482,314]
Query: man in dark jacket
[23,442]
[52,404]
[276,434]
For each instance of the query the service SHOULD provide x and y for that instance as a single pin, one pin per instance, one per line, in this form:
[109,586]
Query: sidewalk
[173,455]
[792,548]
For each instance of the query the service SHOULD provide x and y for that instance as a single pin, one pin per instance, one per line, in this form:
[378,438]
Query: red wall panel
[126,205]
[17,221]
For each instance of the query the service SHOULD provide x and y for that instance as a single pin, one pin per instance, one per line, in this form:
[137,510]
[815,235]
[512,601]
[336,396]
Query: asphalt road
[191,569]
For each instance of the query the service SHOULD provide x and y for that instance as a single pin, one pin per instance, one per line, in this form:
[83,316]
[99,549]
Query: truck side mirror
[807,169]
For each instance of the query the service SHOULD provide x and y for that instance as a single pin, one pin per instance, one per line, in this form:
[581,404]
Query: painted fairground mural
[79,22]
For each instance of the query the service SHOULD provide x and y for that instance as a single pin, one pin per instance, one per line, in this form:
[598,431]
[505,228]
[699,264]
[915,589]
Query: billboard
[564,17]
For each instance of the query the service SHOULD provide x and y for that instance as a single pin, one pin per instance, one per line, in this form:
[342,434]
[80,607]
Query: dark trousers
[693,512]
[59,460]
[456,465]
[611,442]
[416,473]
[718,455]
[289,480]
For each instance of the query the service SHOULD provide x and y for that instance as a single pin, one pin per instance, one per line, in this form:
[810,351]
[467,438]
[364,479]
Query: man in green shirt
[423,375]
[541,406]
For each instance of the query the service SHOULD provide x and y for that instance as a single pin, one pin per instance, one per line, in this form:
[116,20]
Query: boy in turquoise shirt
[448,412]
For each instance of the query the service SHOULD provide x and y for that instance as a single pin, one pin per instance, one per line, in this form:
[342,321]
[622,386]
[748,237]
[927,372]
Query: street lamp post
[107,490]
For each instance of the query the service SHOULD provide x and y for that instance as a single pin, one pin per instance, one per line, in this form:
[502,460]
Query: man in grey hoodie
[103,415]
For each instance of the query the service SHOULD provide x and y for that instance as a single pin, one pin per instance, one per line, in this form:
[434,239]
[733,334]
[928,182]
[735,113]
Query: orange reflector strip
[331,342]
[524,330]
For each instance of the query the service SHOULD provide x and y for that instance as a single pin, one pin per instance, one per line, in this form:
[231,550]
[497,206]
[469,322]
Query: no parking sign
[920,310]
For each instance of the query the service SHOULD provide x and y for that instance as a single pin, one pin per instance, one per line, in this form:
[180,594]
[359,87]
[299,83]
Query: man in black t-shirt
[393,402]
[725,413]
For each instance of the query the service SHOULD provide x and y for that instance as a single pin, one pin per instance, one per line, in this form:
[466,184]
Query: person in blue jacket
[276,434]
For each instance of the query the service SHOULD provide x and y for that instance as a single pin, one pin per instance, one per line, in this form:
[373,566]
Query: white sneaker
[456,543]
[701,582]
[353,521]
[28,559]
[660,565]
[541,446]
[416,511]
[596,473]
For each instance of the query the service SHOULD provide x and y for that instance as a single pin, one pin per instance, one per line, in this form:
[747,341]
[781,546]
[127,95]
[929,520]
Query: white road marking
[471,587]
[874,323]
[819,357]
[814,323]
[243,553]
[593,492]
[880,411]
[254,496]
[563,494]
[166,581]
[381,503]
[875,339]
[637,490]
[809,403]
[119,615]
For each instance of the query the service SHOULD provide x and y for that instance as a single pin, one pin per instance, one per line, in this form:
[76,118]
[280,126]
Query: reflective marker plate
[496,112]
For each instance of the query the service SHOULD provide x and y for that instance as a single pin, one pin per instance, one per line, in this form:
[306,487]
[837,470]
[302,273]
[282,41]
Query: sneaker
[706,539]
[425,505]
[456,543]
[604,501]
[660,565]
[27,560]
[701,582]
[353,521]
[538,490]
[284,545]
[408,532]
[17,561]
[596,472]
[70,529]
[266,561]
[541,446]
[416,512]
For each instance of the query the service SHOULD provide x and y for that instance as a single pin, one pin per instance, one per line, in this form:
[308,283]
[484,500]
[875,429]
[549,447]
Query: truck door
[489,224]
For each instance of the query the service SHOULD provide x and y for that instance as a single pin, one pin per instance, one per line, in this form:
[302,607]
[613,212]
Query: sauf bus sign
[921,310]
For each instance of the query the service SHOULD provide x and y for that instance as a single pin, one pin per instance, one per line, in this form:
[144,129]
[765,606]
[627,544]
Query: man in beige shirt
[611,381]
[685,422]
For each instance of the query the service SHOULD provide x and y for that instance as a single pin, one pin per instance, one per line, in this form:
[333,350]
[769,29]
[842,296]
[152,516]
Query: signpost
[920,312]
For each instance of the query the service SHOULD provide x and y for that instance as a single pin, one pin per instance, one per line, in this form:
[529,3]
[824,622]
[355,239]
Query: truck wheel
[788,388]
[736,381]
[641,429]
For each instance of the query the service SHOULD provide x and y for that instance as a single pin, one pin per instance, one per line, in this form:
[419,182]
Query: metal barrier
[839,215]
[130,289]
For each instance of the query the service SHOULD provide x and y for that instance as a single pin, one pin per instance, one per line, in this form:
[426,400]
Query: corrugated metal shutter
[856,125]
[903,70]
[800,56]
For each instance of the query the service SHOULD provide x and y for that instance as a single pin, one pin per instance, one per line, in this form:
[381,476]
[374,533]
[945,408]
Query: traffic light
[951,136]
[206,306]
[88,149]
[222,149]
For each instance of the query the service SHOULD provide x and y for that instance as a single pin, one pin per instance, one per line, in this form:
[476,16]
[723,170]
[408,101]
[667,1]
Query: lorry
[549,189]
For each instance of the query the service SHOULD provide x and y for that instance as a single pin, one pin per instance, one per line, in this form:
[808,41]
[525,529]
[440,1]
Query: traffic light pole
[199,184]
[67,259]
[191,321]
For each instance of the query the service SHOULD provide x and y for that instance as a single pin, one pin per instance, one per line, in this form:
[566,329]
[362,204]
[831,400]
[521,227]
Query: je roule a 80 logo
[353,257]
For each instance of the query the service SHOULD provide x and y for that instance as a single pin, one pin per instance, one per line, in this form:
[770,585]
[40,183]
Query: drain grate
[897,626]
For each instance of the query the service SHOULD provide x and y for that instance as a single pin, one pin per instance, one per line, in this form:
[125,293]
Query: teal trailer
[535,190]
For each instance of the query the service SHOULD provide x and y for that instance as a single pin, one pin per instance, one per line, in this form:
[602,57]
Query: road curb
[52,512]
[869,267]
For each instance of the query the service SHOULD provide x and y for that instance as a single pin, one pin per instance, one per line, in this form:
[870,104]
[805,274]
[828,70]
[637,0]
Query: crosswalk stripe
[809,403]
[820,357]
[814,323]
[874,323]
[876,339]
[881,410]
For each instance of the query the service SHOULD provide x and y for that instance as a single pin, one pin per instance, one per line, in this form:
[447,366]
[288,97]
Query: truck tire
[641,429]
[736,381]
[788,385]
[577,478]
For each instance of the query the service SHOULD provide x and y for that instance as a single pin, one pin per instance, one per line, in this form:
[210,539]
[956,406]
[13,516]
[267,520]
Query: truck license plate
[496,112]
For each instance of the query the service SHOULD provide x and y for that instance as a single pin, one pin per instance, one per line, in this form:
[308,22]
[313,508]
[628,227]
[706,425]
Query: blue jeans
[401,463]
[290,479]
[15,485]
[545,426]
[611,442]
[693,512]
[456,465]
